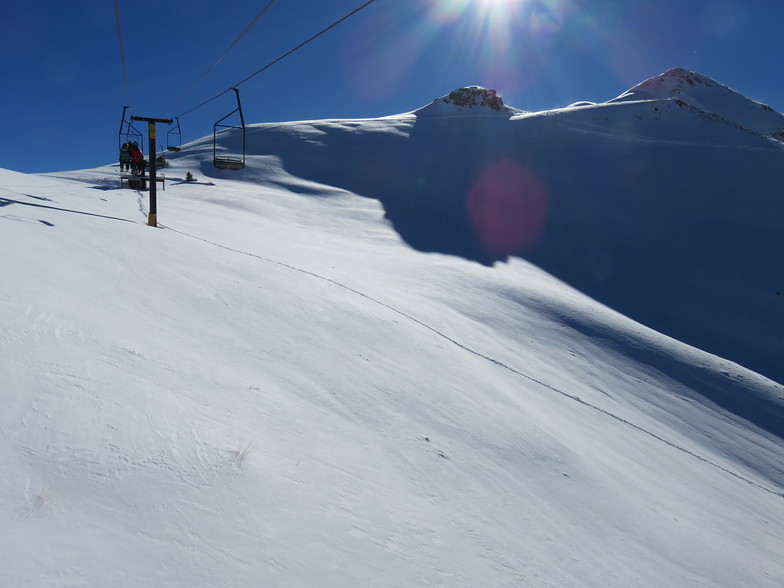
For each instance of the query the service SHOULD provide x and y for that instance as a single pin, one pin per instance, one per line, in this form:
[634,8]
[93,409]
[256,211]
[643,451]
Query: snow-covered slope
[657,208]
[304,377]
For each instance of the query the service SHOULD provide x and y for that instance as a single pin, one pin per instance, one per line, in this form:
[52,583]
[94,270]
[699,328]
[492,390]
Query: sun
[499,3]
[448,10]
[500,8]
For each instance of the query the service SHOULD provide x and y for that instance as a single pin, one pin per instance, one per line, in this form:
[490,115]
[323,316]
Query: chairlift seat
[229,163]
[224,161]
[174,136]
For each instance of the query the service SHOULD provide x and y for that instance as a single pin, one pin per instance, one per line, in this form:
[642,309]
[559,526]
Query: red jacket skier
[137,159]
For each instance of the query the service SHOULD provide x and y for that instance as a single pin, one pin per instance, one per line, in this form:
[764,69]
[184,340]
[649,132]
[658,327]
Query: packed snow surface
[434,349]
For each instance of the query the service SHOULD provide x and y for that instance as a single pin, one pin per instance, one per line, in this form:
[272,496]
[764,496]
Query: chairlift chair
[174,136]
[233,162]
[128,133]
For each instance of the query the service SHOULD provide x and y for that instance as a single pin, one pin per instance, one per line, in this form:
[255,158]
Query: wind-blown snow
[330,369]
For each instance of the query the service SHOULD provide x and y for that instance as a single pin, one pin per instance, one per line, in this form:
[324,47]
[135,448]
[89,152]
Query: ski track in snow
[497,362]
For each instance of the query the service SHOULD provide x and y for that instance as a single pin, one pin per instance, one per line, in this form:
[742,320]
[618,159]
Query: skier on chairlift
[125,157]
[137,159]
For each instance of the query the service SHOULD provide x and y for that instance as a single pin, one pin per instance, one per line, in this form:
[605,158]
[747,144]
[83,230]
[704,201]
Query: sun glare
[497,41]
[497,4]
[446,10]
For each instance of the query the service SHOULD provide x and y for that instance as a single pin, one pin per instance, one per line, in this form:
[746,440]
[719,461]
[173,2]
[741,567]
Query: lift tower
[152,218]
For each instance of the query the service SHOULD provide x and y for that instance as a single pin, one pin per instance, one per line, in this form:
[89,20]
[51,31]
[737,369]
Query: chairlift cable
[217,61]
[314,37]
[270,64]
[122,52]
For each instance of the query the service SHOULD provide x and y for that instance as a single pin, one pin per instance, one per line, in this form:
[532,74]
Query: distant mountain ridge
[677,85]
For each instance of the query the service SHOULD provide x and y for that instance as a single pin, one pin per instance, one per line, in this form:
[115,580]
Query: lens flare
[508,207]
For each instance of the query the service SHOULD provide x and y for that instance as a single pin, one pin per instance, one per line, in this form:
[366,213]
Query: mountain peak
[709,96]
[469,99]
[675,82]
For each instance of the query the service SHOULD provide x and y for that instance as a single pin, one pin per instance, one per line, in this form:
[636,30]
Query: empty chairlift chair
[174,136]
[233,161]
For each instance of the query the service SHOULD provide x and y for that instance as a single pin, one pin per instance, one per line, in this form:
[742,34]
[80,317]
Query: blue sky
[64,89]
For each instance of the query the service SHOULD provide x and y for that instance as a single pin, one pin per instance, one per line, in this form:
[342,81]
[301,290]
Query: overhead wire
[273,62]
[217,61]
[122,52]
